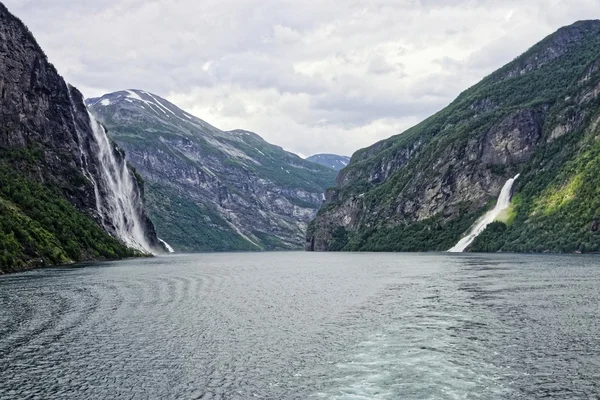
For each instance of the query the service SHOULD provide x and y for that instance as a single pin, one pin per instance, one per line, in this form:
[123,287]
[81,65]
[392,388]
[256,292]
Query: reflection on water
[305,325]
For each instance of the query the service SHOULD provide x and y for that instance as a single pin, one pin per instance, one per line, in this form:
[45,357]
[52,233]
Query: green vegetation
[275,164]
[556,211]
[556,207]
[270,242]
[486,241]
[283,168]
[433,234]
[340,239]
[460,120]
[189,225]
[44,196]
[39,227]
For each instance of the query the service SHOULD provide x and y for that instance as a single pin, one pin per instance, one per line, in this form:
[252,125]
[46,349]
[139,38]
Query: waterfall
[502,204]
[120,202]
[117,202]
[167,246]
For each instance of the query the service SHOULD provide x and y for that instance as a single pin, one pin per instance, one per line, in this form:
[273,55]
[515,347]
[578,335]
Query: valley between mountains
[211,190]
[130,174]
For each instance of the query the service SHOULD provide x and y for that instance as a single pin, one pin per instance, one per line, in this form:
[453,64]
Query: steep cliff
[56,193]
[208,189]
[422,190]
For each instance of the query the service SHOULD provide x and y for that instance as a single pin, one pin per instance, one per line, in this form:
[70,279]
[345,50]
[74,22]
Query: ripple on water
[298,326]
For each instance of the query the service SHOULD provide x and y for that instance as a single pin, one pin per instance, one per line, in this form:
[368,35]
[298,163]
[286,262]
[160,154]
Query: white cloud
[311,76]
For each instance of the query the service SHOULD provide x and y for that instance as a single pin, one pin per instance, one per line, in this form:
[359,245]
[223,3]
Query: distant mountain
[211,190]
[332,161]
[422,190]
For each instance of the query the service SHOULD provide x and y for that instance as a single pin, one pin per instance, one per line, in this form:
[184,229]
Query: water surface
[305,326]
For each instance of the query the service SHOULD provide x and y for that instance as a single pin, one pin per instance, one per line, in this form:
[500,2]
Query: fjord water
[305,325]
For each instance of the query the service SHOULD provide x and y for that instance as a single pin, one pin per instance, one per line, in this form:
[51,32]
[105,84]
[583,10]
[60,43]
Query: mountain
[64,187]
[423,189]
[211,190]
[332,161]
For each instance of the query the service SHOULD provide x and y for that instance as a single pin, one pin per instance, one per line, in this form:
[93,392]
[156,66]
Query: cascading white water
[167,246]
[114,191]
[120,200]
[502,204]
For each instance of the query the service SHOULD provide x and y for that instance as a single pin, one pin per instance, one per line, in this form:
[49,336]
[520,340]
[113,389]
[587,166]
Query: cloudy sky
[310,76]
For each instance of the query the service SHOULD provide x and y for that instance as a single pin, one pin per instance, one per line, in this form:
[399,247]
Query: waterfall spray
[502,204]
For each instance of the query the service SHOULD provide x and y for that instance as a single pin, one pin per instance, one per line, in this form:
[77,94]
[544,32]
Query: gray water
[305,326]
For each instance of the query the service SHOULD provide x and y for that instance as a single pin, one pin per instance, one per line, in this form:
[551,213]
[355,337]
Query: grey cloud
[260,71]
[327,76]
[352,111]
[380,65]
[450,64]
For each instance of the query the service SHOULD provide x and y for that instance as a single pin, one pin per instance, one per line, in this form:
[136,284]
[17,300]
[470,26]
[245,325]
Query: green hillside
[537,115]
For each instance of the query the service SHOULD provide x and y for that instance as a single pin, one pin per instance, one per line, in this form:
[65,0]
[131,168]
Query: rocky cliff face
[421,190]
[209,189]
[46,135]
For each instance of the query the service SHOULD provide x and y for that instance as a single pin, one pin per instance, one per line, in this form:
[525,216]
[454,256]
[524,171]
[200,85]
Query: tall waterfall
[117,201]
[502,204]
[120,202]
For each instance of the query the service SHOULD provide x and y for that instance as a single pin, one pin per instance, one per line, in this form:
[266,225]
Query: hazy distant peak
[332,161]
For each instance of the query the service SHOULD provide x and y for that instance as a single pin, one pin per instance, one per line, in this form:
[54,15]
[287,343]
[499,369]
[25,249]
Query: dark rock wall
[44,125]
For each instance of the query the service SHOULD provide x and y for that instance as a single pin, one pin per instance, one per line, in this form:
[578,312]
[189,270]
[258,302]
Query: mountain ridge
[332,161]
[210,189]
